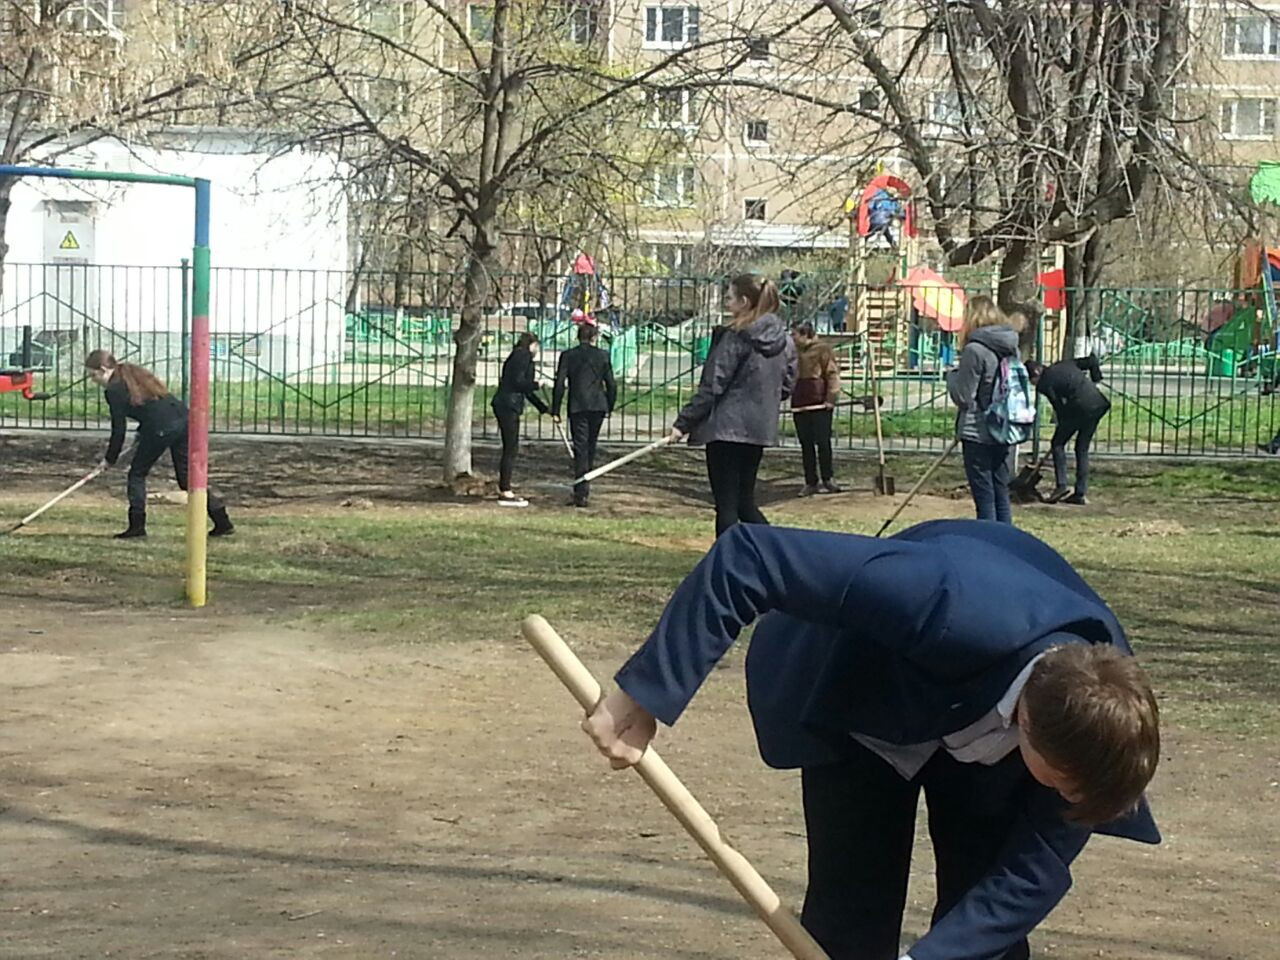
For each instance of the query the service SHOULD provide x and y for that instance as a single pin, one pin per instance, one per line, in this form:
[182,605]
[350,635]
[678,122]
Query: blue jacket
[906,640]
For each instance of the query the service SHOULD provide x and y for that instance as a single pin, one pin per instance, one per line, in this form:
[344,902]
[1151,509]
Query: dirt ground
[185,784]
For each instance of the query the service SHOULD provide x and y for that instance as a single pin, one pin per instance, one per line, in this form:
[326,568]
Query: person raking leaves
[135,393]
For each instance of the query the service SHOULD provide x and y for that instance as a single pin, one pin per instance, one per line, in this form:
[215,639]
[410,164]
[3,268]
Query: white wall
[285,213]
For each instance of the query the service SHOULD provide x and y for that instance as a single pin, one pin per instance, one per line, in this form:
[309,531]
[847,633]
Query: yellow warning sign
[69,242]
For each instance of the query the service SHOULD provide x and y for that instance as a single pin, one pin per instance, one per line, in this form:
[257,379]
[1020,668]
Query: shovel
[1023,488]
[884,482]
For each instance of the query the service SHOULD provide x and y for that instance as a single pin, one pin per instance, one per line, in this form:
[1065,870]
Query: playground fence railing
[305,352]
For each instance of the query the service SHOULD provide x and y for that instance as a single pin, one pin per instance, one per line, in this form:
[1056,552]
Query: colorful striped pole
[198,422]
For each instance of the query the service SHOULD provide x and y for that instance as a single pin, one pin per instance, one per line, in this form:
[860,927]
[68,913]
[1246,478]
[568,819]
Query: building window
[668,28]
[675,258]
[944,108]
[869,99]
[872,20]
[385,98]
[387,18]
[480,21]
[758,49]
[673,186]
[1250,37]
[754,208]
[757,132]
[1248,118]
[95,16]
[583,21]
[673,108]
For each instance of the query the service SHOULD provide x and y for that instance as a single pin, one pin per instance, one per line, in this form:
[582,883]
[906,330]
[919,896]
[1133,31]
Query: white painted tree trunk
[457,436]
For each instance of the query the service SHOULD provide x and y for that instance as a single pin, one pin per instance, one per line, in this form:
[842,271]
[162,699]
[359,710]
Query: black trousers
[813,430]
[986,467]
[509,427]
[860,818]
[1083,429]
[732,469]
[584,430]
[150,449]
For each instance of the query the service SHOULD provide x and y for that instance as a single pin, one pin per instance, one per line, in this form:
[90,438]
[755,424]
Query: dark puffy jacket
[518,383]
[746,376]
[163,417]
[1071,391]
[972,382]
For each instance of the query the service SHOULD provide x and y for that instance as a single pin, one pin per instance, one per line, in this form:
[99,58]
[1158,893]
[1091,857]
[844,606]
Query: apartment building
[768,171]
[752,153]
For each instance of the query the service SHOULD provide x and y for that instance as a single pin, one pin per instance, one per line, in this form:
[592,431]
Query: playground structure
[881,309]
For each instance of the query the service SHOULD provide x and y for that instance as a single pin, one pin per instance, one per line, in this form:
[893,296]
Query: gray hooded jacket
[972,382]
[745,378]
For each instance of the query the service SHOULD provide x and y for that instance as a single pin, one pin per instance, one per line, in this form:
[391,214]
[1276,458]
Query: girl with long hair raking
[749,371]
[518,383]
[135,393]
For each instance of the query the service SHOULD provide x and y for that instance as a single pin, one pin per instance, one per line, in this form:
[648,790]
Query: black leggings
[1083,430]
[813,430]
[732,468]
[150,449]
[509,425]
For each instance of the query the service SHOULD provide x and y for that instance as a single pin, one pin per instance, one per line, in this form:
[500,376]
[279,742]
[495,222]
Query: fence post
[1035,426]
[186,329]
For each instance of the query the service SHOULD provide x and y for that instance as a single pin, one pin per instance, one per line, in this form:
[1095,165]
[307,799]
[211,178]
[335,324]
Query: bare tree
[511,115]
[1026,122]
[74,71]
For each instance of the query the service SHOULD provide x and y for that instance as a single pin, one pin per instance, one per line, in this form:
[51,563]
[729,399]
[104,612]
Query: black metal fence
[300,352]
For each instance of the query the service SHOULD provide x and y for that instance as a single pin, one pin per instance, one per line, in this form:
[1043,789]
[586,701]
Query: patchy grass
[1186,555]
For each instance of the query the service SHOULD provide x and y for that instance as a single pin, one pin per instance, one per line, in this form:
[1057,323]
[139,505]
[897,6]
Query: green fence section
[301,352]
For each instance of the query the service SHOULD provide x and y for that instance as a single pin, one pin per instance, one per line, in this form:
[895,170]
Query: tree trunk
[1019,271]
[477,287]
[1082,266]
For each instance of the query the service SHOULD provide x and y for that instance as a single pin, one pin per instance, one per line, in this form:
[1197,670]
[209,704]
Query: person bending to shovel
[1070,386]
[960,658]
[135,393]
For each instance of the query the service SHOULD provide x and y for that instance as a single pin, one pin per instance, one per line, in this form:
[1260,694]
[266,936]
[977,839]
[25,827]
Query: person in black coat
[587,373]
[135,393]
[517,384]
[1070,386]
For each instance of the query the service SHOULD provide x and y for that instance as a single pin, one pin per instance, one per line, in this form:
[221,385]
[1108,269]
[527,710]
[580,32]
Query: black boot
[222,525]
[137,525]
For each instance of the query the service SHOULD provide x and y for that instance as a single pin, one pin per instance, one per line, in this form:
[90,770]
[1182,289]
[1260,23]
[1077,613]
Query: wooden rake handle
[676,798]
[624,459]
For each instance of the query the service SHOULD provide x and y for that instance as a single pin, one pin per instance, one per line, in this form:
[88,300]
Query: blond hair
[980,312]
[760,292]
